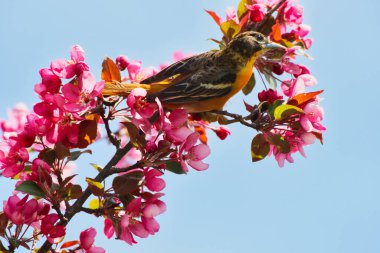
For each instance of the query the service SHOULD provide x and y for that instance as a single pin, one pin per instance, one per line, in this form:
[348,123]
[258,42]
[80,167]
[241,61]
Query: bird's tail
[122,89]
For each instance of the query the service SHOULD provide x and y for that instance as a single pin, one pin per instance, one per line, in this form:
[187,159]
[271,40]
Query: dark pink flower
[269,95]
[256,12]
[21,211]
[82,97]
[122,62]
[50,83]
[54,233]
[222,132]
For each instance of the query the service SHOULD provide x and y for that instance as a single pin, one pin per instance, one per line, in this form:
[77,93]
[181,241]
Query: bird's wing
[202,85]
[182,69]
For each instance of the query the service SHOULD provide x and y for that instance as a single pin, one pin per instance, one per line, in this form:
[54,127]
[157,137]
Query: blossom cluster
[38,148]
[289,118]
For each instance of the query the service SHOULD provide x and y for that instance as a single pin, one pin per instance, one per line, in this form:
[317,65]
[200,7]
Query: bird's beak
[274,46]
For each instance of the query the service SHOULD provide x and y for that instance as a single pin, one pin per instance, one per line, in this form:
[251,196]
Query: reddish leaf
[110,71]
[88,130]
[61,151]
[69,244]
[202,132]
[127,183]
[280,143]
[214,16]
[303,98]
[276,32]
[319,136]
[243,21]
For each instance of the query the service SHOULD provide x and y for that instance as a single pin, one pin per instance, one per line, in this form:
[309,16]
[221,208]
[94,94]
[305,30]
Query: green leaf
[174,167]
[30,187]
[259,148]
[76,154]
[285,111]
[280,143]
[250,85]
[127,183]
[96,166]
[270,79]
[229,28]
[272,107]
[242,10]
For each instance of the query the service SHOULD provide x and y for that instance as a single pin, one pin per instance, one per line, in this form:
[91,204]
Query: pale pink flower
[133,69]
[293,14]
[311,120]
[302,30]
[193,154]
[12,158]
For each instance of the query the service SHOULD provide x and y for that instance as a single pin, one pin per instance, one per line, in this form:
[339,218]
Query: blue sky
[328,202]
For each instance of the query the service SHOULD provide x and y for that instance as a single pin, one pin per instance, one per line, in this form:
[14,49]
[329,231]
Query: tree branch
[238,118]
[77,206]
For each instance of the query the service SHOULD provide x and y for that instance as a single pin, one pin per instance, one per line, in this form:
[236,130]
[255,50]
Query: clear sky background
[328,202]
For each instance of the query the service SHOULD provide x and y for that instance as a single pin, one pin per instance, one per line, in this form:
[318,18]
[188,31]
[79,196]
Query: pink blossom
[293,14]
[82,97]
[311,120]
[180,55]
[12,158]
[68,68]
[256,12]
[21,211]
[140,109]
[222,132]
[50,83]
[16,121]
[269,95]
[54,233]
[108,228]
[193,154]
[87,239]
[174,126]
[231,14]
[304,70]
[152,180]
[122,62]
[301,30]
[133,69]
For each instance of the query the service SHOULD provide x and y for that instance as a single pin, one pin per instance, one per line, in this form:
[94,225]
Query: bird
[206,81]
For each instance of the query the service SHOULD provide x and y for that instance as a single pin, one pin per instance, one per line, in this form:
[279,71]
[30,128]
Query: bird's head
[249,44]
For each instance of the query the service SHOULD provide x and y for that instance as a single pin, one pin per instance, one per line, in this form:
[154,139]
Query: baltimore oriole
[206,81]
